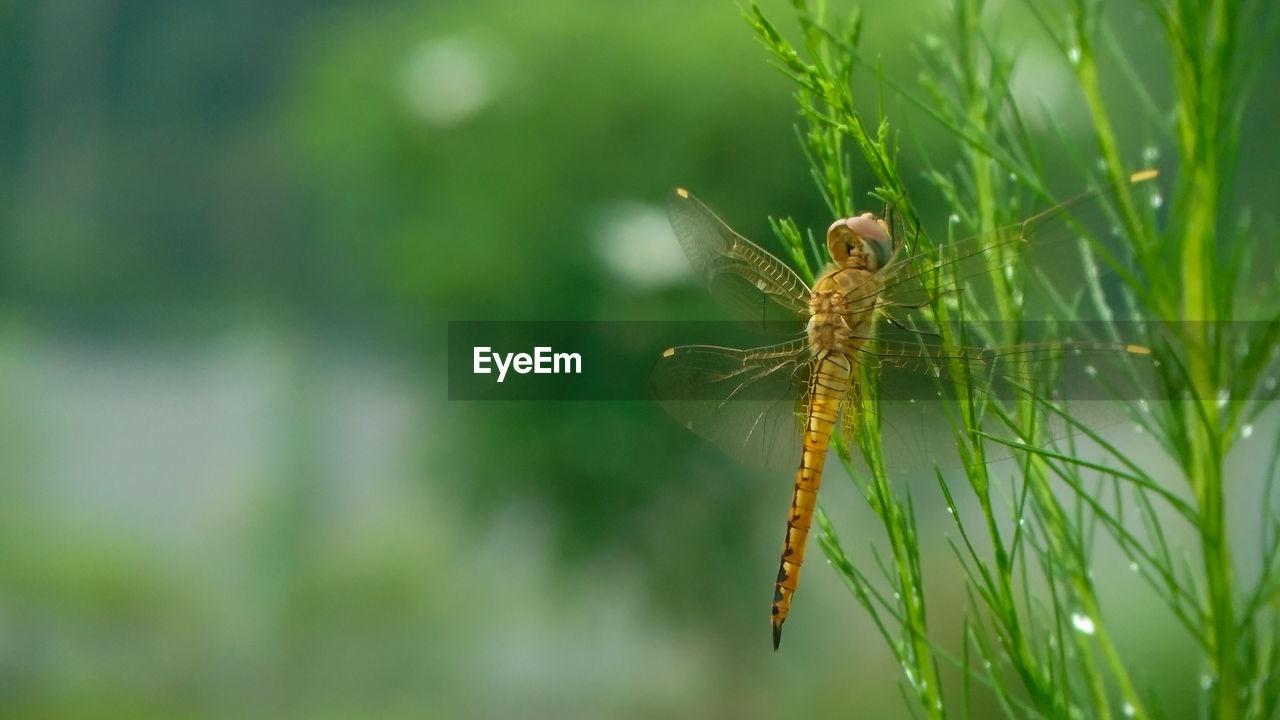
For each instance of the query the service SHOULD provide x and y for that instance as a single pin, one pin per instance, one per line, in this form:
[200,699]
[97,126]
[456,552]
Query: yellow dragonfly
[788,399]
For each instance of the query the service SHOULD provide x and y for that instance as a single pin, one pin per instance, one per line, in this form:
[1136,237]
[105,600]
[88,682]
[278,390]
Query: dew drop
[1082,623]
[951,510]
[1102,164]
[1143,406]
[1091,371]
[1139,429]
[1013,177]
[954,218]
[1150,154]
[1133,566]
[1223,397]
[1270,383]
[1073,54]
[1246,432]
[1206,682]
[1128,710]
[1156,200]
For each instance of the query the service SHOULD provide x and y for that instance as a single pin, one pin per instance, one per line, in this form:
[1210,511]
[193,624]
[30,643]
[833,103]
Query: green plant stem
[978,112]
[1207,479]
[899,523]
[1086,69]
[1206,431]
[1203,69]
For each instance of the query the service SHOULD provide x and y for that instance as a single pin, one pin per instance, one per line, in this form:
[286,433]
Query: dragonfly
[790,398]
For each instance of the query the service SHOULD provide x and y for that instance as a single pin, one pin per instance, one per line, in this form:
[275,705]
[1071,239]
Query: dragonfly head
[866,235]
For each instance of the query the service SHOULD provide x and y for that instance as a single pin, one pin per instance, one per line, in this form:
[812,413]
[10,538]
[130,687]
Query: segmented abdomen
[827,387]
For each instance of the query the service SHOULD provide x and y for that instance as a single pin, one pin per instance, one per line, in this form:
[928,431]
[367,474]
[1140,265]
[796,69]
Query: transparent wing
[919,382]
[915,275]
[748,402]
[752,284]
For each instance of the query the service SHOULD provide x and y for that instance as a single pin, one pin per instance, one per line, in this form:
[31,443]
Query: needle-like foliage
[1036,640]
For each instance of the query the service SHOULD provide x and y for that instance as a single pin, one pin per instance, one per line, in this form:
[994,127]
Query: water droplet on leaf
[1082,623]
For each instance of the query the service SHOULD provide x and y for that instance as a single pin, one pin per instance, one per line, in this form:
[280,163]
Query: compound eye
[839,237]
[876,236]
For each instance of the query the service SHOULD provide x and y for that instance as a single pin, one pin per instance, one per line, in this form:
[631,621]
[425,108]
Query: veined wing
[914,276]
[748,402]
[1081,369]
[918,382]
[751,403]
[751,283]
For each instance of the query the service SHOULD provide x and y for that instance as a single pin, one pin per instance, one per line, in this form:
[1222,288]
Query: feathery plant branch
[825,99]
[1036,639]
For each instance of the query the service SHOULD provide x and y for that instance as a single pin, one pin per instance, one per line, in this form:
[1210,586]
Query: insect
[792,397]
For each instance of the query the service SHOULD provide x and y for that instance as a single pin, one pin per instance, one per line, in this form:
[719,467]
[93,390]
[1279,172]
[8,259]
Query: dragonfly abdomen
[827,387]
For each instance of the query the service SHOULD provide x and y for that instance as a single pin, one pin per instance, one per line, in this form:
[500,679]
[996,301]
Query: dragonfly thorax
[841,309]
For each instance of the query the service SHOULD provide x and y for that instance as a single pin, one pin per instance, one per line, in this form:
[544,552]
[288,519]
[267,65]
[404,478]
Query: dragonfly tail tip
[777,635]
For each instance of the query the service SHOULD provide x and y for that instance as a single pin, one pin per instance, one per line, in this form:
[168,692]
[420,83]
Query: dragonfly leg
[894,322]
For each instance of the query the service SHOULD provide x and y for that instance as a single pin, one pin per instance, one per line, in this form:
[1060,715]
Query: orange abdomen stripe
[827,388]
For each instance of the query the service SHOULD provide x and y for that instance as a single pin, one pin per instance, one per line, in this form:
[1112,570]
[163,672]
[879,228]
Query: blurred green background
[232,236]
